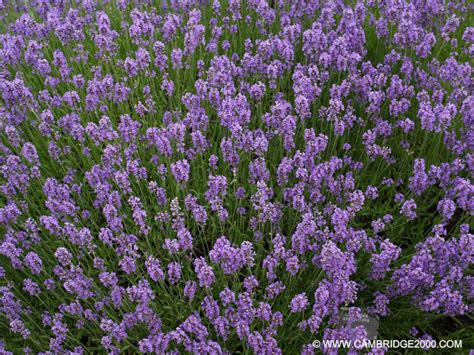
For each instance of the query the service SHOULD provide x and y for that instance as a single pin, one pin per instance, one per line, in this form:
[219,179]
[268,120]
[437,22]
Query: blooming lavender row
[234,176]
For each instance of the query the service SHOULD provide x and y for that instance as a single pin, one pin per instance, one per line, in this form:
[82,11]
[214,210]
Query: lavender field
[230,176]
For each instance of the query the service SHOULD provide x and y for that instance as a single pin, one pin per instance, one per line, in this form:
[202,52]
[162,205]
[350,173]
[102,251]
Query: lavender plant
[234,176]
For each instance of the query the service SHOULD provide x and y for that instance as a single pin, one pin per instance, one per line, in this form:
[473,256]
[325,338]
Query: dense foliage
[234,176]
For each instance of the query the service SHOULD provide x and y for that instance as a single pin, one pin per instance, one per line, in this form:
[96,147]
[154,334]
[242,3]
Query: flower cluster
[224,176]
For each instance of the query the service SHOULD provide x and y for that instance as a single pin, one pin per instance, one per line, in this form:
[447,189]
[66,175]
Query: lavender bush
[234,176]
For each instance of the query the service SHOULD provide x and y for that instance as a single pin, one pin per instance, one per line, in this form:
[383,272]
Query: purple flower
[180,170]
[34,262]
[409,209]
[174,272]
[447,208]
[154,269]
[128,128]
[190,289]
[381,262]
[204,272]
[299,303]
[231,259]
